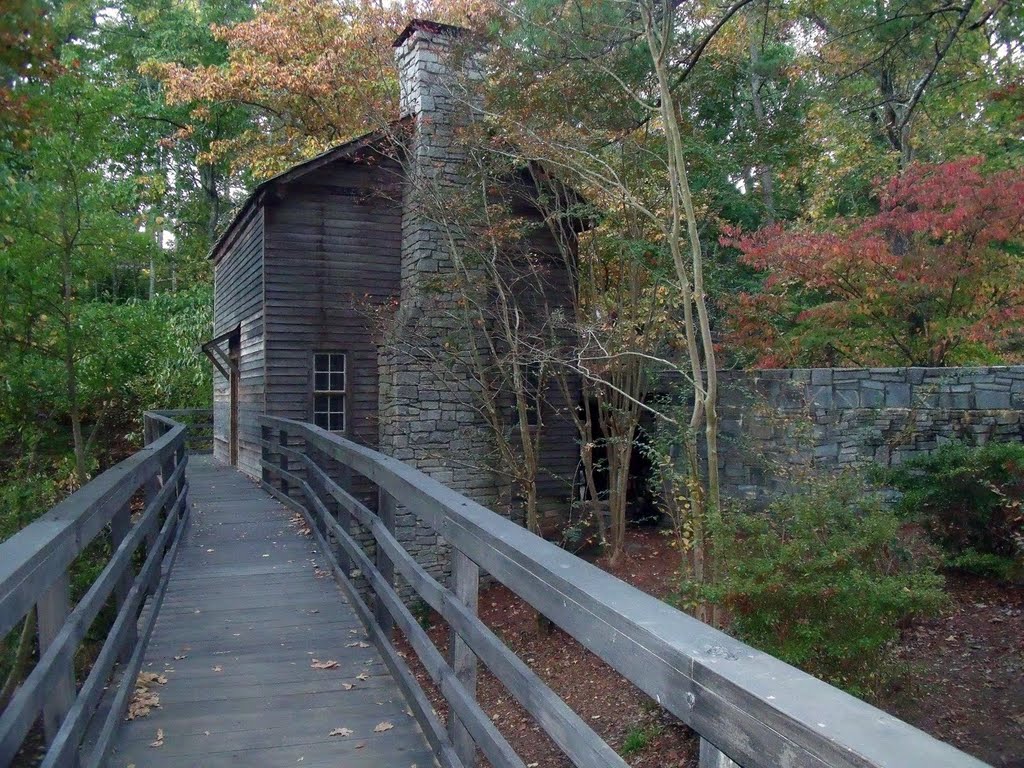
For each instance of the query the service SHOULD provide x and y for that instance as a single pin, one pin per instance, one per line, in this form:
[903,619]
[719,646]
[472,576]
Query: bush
[823,579]
[969,500]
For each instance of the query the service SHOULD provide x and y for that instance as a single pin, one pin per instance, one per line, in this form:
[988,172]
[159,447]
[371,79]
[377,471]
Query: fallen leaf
[360,644]
[363,676]
[330,664]
[146,679]
[218,668]
[341,732]
[159,738]
[347,686]
[179,658]
[381,727]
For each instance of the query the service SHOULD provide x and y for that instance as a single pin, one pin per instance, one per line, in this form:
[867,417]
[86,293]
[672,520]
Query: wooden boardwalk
[249,607]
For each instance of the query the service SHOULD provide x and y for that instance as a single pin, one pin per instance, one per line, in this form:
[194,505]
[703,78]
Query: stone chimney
[428,410]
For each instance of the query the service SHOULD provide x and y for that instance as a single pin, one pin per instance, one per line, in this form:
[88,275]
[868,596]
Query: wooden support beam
[51,612]
[712,757]
[120,523]
[466,588]
[386,509]
[282,459]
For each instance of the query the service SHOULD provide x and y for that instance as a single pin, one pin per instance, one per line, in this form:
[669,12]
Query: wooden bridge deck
[245,614]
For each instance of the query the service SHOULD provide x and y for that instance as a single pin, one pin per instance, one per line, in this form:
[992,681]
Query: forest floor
[964,681]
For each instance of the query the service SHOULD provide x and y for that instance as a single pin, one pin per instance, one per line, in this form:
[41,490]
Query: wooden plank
[491,742]
[64,750]
[420,706]
[51,612]
[760,709]
[465,588]
[32,559]
[575,738]
[711,757]
[386,510]
[55,661]
[251,665]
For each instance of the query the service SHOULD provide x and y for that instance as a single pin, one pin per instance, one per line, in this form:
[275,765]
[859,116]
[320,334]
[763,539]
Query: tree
[64,228]
[935,277]
[311,73]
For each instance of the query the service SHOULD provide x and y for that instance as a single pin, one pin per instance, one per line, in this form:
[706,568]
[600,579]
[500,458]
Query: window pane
[337,381]
[321,381]
[338,362]
[337,421]
[321,362]
[322,403]
[320,419]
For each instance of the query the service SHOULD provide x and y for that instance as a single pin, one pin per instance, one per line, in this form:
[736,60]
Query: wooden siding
[238,301]
[333,247]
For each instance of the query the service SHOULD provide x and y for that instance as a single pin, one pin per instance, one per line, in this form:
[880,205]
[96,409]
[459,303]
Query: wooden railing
[199,423]
[747,706]
[141,506]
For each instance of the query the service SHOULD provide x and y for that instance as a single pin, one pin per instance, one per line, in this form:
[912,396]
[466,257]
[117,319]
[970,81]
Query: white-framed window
[329,390]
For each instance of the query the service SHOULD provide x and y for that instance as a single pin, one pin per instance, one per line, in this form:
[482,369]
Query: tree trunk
[764,171]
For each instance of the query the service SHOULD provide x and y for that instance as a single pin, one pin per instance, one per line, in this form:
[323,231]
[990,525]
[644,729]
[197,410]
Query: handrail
[199,436]
[746,705]
[35,568]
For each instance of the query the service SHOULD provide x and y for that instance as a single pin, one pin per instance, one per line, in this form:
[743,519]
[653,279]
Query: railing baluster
[386,508]
[266,437]
[120,524]
[712,757]
[51,612]
[466,588]
[282,460]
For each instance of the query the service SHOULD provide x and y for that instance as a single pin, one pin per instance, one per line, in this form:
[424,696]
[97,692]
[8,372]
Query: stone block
[821,376]
[991,399]
[821,397]
[847,397]
[872,398]
[897,395]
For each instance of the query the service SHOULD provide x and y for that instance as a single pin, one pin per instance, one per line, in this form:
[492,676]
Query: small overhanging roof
[345,151]
[217,354]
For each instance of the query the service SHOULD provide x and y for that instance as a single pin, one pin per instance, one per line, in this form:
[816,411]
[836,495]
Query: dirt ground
[965,673]
[965,681]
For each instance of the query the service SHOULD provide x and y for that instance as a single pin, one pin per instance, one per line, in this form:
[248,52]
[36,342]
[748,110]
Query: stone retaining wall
[779,423]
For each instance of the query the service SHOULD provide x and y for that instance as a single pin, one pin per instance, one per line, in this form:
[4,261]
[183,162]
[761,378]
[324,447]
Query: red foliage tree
[936,277]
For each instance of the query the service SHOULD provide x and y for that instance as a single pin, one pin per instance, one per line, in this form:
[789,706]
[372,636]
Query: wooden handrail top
[754,707]
[36,556]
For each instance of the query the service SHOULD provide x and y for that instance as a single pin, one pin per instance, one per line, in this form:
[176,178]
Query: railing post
[712,757]
[386,508]
[344,516]
[51,612]
[120,523]
[148,430]
[266,436]
[466,588]
[282,460]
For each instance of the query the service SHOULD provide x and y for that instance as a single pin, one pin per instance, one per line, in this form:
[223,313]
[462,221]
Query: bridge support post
[466,588]
[51,612]
[282,459]
[265,436]
[712,757]
[386,508]
[120,523]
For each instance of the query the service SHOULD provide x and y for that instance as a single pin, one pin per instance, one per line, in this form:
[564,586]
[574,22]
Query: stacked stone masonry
[427,414]
[777,423]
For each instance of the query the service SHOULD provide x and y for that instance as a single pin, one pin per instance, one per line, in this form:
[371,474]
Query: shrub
[969,500]
[823,579]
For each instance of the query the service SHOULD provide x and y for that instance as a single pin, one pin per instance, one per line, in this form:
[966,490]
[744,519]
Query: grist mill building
[310,248]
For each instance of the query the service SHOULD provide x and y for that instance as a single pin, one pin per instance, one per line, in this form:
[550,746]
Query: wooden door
[234,358]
